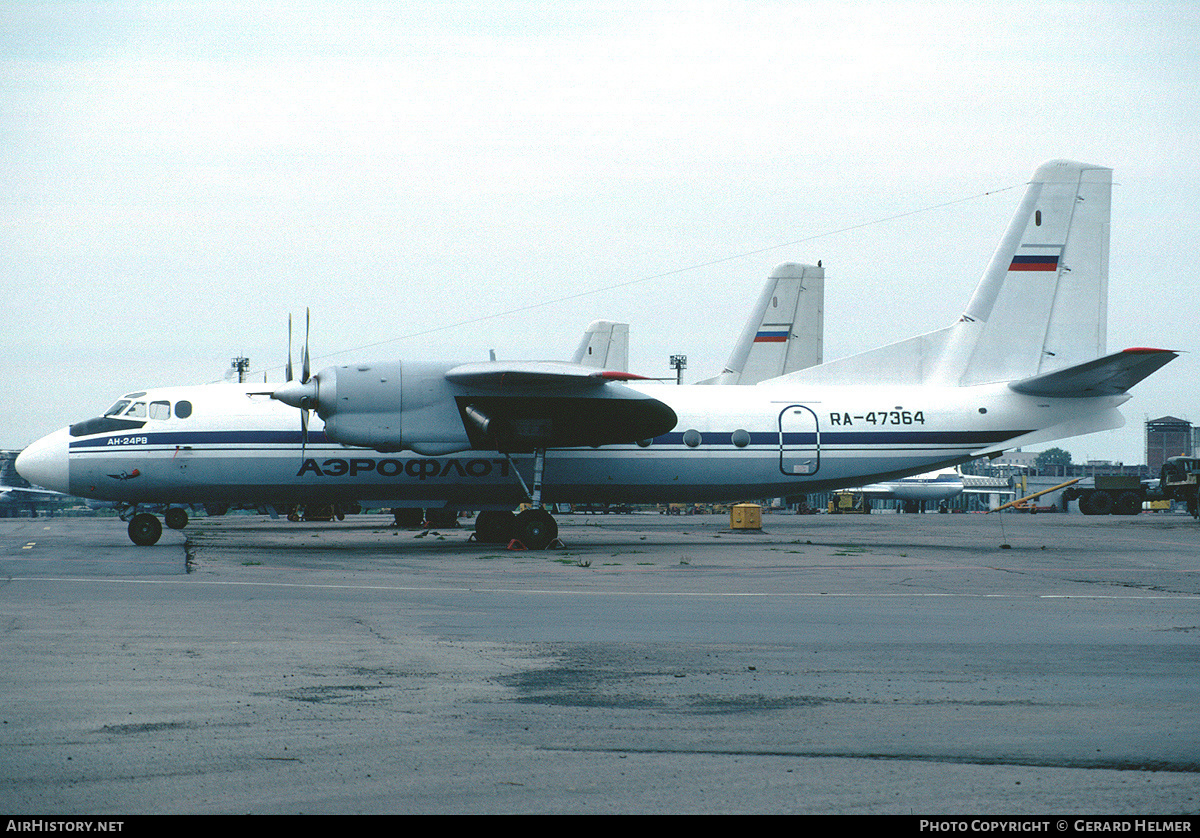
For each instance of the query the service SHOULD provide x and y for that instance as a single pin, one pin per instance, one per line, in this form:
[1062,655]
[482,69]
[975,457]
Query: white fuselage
[237,445]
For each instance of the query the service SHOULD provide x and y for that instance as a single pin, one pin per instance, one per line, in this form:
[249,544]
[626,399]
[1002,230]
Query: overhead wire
[662,275]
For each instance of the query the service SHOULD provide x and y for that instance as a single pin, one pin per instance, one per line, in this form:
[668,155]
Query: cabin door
[799,441]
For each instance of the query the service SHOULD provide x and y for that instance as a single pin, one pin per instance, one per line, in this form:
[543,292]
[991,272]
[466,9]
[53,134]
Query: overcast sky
[439,179]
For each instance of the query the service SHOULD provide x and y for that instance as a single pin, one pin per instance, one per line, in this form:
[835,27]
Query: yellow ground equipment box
[745,516]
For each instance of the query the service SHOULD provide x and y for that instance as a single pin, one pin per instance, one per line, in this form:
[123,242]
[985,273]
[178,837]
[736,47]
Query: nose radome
[44,463]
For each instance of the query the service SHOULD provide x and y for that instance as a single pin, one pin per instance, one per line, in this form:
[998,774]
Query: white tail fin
[785,331]
[1042,304]
[605,345]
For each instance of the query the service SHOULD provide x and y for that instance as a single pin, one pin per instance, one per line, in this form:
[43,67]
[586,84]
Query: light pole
[679,364]
[241,364]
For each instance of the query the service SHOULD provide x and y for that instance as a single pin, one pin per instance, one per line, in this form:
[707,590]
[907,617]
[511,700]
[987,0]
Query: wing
[501,375]
[509,406]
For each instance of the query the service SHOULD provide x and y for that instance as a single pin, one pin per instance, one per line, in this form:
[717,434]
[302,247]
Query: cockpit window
[160,410]
[183,409]
[138,411]
[116,409]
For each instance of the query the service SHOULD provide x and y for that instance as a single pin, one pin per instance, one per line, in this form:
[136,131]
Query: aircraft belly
[691,476]
[660,473]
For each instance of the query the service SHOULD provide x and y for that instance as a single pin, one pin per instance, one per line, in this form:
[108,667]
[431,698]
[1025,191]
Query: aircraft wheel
[406,517]
[176,518]
[144,529]
[441,518]
[536,528]
[495,527]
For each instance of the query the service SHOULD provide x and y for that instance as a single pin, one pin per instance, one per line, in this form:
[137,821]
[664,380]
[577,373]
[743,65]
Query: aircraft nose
[44,463]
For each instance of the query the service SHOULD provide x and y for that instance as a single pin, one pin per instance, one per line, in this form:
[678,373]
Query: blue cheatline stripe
[853,438]
[204,438]
[760,438]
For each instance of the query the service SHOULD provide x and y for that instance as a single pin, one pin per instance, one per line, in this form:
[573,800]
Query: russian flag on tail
[1036,262]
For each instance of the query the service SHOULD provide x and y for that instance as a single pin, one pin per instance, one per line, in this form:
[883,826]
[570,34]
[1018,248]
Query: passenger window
[183,410]
[138,411]
[160,410]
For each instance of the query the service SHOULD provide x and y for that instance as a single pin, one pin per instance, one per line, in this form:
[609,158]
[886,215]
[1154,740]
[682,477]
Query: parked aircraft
[605,346]
[1024,364]
[936,486]
[785,331]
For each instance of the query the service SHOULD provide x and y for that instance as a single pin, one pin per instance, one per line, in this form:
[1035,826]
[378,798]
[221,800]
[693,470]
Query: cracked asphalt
[904,664]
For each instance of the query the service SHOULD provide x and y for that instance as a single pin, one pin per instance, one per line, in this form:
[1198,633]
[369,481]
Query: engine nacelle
[436,409]
[391,406]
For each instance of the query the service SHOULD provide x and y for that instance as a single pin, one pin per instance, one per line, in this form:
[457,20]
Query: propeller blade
[289,363]
[303,432]
[304,369]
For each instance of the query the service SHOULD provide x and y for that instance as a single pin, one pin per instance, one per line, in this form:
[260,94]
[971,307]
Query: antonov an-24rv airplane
[1024,364]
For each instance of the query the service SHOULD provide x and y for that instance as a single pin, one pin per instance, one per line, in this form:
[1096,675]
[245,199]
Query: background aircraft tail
[1041,306]
[605,345]
[785,331]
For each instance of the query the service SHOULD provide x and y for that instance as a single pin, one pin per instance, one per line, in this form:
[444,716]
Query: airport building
[1168,437]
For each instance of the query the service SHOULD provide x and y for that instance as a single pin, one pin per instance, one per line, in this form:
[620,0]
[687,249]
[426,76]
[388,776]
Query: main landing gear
[535,528]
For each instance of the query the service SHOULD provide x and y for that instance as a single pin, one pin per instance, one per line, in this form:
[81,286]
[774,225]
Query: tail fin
[785,331]
[1041,306]
[605,345]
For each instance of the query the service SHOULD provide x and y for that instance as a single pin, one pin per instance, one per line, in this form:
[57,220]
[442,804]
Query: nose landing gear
[144,529]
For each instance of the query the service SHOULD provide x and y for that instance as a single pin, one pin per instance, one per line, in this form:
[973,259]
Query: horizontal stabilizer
[1108,376]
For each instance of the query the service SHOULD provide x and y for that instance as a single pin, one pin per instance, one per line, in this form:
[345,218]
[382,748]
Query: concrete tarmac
[908,664]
